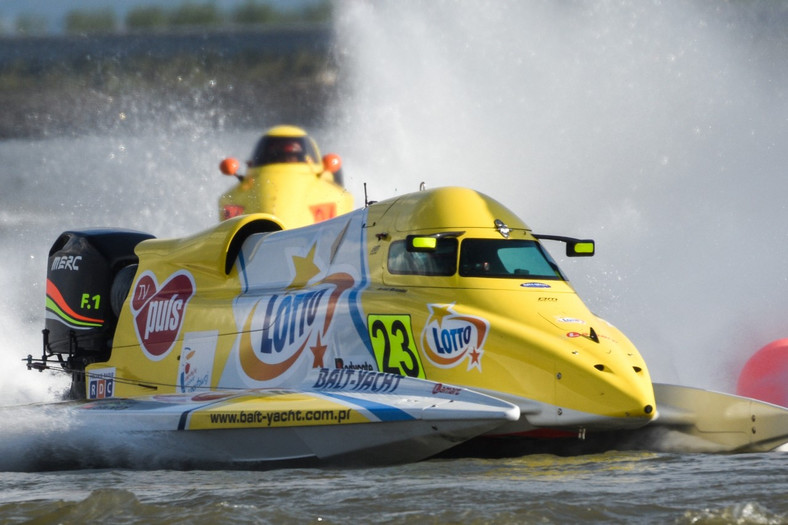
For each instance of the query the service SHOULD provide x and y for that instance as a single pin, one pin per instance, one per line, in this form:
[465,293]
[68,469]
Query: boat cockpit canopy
[492,258]
[277,150]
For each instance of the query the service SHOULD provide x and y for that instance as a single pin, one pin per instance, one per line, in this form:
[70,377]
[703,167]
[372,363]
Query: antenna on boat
[367,202]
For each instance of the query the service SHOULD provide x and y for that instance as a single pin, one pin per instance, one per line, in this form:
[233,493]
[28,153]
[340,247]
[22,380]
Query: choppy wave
[600,488]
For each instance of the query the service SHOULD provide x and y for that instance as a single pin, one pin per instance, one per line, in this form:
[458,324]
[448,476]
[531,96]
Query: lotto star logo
[282,327]
[159,310]
[450,338]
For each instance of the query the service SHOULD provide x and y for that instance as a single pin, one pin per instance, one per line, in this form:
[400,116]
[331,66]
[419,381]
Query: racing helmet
[292,148]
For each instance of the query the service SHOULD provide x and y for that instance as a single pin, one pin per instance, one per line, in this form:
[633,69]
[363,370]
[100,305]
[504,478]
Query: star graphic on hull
[318,349]
[305,268]
[439,312]
[475,359]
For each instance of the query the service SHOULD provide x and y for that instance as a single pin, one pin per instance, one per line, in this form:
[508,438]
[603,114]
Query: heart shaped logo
[159,311]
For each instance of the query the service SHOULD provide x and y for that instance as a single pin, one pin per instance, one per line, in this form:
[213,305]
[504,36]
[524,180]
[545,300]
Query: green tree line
[183,16]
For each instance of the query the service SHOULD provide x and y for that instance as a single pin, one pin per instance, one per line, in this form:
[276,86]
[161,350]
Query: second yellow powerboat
[287,180]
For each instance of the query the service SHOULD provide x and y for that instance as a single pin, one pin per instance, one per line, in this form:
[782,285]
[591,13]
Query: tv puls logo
[159,311]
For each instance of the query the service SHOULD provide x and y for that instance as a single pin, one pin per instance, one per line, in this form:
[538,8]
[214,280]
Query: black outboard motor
[89,276]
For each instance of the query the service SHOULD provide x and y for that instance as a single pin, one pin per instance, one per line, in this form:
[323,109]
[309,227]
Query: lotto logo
[450,338]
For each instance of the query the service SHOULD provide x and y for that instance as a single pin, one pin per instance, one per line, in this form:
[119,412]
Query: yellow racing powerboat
[386,334]
[287,179]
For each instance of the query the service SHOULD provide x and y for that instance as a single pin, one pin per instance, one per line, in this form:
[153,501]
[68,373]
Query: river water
[615,487]
[658,129]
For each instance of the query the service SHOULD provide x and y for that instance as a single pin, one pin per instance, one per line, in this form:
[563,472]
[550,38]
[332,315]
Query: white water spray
[166,185]
[657,128]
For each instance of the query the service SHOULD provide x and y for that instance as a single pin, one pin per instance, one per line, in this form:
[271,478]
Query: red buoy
[765,375]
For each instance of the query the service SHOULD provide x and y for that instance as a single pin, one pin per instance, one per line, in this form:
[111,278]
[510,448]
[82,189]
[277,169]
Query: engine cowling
[89,274]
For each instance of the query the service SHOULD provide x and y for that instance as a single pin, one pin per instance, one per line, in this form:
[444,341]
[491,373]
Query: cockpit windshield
[496,258]
[275,150]
[440,261]
[507,258]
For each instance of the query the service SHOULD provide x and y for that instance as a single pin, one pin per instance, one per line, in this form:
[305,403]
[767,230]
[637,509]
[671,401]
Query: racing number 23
[392,340]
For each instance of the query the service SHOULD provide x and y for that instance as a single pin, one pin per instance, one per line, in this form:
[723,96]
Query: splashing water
[657,128]
[164,185]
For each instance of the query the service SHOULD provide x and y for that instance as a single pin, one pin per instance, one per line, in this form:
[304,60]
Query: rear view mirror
[332,162]
[580,248]
[574,247]
[229,166]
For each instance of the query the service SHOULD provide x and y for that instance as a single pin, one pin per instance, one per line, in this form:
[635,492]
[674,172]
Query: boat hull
[402,420]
